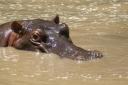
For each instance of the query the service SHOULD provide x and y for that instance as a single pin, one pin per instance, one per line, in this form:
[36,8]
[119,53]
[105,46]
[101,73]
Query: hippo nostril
[95,54]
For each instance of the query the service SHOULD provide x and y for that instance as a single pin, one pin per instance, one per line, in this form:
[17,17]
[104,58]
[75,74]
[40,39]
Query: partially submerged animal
[47,36]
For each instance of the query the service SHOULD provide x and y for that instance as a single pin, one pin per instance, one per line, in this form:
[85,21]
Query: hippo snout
[62,47]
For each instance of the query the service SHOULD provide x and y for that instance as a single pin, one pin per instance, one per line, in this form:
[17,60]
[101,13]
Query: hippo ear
[16,27]
[56,19]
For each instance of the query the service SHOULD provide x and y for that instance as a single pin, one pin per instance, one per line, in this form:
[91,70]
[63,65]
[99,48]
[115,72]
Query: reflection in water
[94,24]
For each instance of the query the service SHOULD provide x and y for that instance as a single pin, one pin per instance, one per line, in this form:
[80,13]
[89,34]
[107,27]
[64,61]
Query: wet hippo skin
[47,36]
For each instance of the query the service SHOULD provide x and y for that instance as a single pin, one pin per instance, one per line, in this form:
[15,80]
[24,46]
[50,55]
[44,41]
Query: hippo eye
[64,30]
[64,33]
[39,36]
[35,37]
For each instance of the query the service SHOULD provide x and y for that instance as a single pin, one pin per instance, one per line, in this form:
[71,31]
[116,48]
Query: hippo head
[49,36]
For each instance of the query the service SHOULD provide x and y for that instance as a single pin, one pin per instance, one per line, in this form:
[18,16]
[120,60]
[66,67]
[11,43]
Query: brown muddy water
[94,24]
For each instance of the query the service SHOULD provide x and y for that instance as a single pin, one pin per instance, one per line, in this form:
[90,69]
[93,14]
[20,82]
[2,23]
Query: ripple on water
[91,77]
[7,54]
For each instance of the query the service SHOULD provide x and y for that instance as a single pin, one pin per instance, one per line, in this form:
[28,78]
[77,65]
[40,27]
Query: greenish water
[94,24]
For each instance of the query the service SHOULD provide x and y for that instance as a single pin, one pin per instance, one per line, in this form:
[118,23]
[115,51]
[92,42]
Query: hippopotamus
[46,36]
